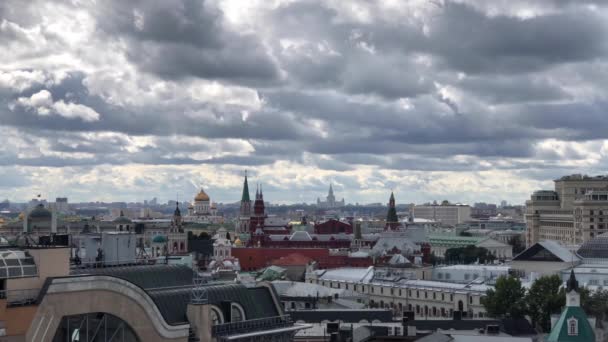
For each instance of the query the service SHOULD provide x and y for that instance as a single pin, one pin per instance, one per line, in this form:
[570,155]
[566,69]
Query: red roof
[293,259]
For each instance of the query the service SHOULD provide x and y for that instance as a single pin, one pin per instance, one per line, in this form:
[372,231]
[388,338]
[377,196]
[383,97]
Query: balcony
[251,325]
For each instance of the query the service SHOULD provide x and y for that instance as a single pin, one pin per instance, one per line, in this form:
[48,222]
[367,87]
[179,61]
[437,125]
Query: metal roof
[170,287]
[146,276]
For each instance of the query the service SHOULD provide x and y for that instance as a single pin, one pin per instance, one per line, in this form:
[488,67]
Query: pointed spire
[572,283]
[245,196]
[331,189]
[261,192]
[177,212]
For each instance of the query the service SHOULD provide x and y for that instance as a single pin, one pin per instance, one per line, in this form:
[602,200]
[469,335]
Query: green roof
[455,240]
[559,333]
[159,239]
[245,197]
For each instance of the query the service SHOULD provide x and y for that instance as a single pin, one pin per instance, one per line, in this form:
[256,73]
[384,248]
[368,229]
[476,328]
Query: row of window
[436,295]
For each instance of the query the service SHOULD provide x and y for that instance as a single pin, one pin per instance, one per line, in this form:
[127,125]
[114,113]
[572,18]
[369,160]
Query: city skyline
[123,101]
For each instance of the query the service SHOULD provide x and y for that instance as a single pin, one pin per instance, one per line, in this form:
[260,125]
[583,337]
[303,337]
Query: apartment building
[445,213]
[573,213]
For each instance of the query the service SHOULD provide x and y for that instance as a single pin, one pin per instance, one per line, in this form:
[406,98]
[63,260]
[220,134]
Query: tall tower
[259,214]
[245,211]
[176,223]
[331,199]
[392,221]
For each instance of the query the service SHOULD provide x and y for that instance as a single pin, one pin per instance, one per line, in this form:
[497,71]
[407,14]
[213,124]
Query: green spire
[245,197]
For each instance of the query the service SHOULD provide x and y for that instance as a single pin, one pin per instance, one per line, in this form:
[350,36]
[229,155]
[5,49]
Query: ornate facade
[203,210]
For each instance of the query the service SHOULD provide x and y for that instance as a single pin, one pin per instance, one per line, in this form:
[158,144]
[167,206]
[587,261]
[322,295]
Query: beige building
[445,213]
[433,300]
[572,213]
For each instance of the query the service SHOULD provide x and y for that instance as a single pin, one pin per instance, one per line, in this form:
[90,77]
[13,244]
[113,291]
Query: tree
[595,303]
[545,298]
[506,300]
[518,245]
[468,255]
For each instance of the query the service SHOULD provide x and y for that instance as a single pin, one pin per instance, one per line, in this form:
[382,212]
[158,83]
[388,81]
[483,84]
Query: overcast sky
[467,100]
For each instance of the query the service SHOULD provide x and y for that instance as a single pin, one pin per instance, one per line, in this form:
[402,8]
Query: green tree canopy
[507,299]
[595,303]
[517,243]
[545,298]
[468,255]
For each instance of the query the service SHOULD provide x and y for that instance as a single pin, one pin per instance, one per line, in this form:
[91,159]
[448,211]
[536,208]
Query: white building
[445,213]
[469,273]
[427,299]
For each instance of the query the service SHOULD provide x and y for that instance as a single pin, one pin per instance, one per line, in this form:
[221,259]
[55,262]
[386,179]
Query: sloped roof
[596,248]
[559,333]
[170,287]
[547,250]
[354,274]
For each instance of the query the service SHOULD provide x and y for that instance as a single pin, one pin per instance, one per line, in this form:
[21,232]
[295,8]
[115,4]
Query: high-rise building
[330,201]
[445,213]
[576,211]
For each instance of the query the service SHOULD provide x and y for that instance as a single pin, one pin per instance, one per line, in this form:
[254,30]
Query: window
[439,275]
[572,327]
[442,296]
[594,282]
[470,300]
[451,297]
[590,212]
[448,276]
[216,316]
[434,295]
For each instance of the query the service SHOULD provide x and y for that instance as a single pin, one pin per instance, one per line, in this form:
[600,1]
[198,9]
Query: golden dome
[238,242]
[202,196]
[21,216]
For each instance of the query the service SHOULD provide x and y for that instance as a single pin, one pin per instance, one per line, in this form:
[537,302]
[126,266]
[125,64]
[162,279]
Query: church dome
[201,196]
[159,239]
[122,218]
[238,242]
[596,248]
[40,213]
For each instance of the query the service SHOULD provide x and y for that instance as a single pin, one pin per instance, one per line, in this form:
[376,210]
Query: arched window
[216,315]
[572,327]
[237,313]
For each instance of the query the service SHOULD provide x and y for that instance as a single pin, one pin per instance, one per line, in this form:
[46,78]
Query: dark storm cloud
[461,89]
[471,41]
[185,39]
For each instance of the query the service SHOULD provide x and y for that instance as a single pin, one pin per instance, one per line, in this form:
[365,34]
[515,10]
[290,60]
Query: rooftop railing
[20,297]
[252,325]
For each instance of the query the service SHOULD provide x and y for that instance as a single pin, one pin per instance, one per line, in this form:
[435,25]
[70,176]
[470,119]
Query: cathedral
[202,210]
[330,201]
